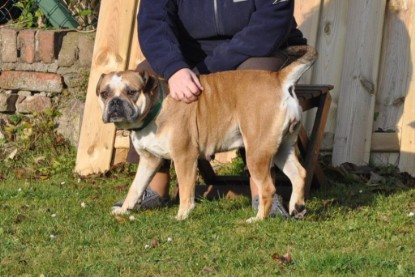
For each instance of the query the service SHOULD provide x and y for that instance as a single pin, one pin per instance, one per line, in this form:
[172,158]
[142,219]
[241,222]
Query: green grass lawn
[62,226]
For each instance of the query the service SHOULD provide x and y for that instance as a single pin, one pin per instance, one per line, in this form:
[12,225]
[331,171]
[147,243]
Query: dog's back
[244,103]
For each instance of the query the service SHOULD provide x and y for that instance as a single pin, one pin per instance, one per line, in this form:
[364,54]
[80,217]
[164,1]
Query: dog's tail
[304,56]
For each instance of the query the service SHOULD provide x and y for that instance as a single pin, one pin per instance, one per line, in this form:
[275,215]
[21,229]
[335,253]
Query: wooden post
[122,142]
[111,53]
[407,153]
[136,56]
[359,79]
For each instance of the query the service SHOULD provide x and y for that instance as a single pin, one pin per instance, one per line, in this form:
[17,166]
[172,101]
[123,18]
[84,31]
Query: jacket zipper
[215,7]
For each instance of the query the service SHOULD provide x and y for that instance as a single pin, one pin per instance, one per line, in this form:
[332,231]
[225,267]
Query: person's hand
[185,85]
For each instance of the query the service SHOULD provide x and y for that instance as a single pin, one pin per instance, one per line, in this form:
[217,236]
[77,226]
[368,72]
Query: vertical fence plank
[359,78]
[112,42]
[331,47]
[407,153]
[394,77]
[307,15]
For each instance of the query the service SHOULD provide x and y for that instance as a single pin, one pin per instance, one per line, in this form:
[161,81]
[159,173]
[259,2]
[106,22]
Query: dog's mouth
[117,116]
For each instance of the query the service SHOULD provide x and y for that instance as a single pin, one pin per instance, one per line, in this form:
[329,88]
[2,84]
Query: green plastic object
[57,14]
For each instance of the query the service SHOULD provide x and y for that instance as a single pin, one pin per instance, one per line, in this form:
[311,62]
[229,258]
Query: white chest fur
[147,140]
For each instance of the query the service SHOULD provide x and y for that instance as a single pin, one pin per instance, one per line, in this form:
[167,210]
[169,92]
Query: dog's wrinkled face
[123,96]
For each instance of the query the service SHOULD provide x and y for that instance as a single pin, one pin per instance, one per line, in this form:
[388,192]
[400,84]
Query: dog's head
[124,96]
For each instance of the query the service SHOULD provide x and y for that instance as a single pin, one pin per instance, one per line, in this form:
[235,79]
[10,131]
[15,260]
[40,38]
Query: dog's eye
[104,94]
[131,92]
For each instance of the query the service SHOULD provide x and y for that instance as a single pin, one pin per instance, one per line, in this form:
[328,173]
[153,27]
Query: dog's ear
[150,82]
[99,83]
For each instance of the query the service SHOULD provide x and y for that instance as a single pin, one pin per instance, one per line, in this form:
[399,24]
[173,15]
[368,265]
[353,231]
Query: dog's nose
[115,103]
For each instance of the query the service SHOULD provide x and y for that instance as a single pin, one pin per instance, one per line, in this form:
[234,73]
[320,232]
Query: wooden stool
[310,96]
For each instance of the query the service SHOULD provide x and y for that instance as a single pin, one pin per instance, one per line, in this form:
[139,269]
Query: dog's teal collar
[155,110]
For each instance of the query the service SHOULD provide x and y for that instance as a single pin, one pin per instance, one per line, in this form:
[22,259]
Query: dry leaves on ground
[283,260]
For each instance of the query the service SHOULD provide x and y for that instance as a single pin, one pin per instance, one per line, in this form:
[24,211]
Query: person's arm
[267,29]
[157,34]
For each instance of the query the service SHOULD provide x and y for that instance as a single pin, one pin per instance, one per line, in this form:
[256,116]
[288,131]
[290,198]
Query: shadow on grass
[350,187]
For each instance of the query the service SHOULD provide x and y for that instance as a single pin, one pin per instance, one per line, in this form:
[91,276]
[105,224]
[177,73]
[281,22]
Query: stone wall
[40,69]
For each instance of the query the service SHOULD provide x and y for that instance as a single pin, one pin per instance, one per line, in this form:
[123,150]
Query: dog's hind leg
[186,168]
[259,167]
[287,161]
[147,168]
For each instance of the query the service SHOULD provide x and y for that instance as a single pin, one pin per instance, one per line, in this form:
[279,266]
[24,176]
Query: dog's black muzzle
[116,110]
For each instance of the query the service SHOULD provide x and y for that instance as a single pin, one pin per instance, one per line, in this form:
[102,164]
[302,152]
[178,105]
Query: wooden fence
[367,51]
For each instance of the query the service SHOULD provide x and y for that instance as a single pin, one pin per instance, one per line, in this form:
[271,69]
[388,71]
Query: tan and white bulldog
[254,109]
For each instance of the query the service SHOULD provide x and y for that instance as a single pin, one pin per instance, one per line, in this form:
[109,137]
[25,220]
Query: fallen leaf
[39,159]
[154,243]
[20,173]
[20,218]
[6,262]
[328,202]
[384,218]
[9,135]
[358,173]
[121,188]
[400,184]
[375,179]
[43,177]
[282,260]
[208,269]
[59,139]
[12,154]
[23,262]
[121,219]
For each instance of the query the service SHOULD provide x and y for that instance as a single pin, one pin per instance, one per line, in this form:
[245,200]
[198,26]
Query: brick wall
[40,69]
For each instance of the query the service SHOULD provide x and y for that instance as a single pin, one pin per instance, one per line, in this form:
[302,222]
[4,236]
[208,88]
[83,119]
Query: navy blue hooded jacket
[213,35]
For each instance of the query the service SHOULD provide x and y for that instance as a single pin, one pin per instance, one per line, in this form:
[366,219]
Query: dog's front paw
[254,219]
[119,211]
[184,211]
[182,215]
